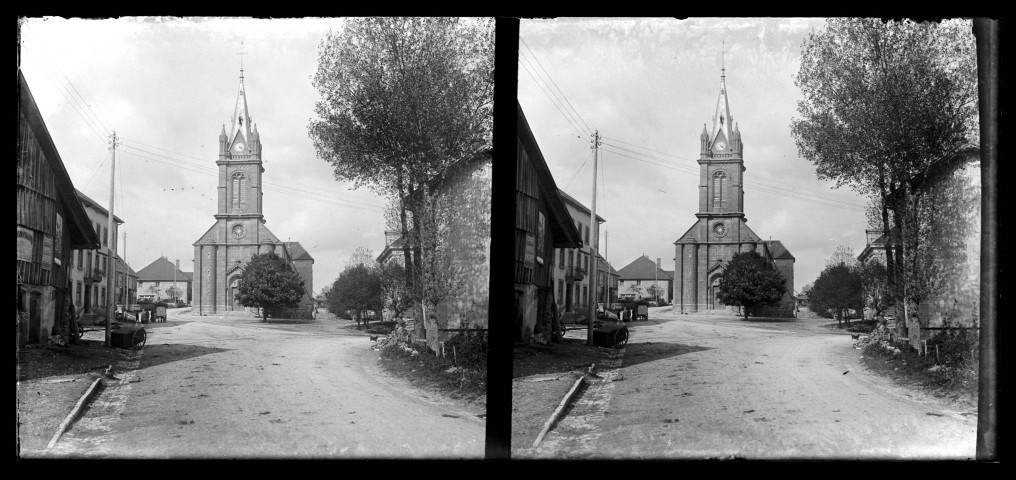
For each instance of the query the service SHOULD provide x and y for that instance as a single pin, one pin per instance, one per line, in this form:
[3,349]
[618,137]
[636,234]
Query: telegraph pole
[110,248]
[596,236]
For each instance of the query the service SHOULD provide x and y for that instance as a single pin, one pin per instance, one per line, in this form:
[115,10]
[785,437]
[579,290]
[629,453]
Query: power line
[748,185]
[95,125]
[269,186]
[579,116]
[577,172]
[751,184]
[553,101]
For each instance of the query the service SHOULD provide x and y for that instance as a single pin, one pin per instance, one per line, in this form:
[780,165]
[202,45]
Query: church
[721,229]
[239,231]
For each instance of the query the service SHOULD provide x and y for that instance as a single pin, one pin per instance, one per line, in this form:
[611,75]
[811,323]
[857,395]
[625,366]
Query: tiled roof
[297,252]
[161,270]
[643,268]
[778,251]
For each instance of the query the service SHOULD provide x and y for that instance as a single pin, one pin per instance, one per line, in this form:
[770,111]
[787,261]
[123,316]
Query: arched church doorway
[231,302]
[714,290]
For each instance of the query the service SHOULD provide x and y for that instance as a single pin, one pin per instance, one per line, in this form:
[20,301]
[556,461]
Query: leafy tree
[750,281]
[361,256]
[395,296]
[837,288]
[402,99]
[173,292]
[358,289]
[873,280]
[636,289]
[269,282]
[844,255]
[886,106]
[656,290]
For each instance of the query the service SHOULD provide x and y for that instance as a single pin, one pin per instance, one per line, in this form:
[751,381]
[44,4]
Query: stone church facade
[721,228]
[239,231]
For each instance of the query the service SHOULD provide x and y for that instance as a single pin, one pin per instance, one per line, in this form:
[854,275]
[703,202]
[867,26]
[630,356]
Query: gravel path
[718,387]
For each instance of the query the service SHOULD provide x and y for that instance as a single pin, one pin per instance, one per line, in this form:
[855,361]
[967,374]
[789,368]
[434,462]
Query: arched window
[719,186]
[236,185]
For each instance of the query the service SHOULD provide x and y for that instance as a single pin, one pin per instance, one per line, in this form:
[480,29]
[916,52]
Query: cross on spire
[241,60]
[723,65]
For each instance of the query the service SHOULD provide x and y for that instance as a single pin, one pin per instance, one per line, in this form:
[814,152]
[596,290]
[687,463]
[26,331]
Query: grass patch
[463,373]
[951,373]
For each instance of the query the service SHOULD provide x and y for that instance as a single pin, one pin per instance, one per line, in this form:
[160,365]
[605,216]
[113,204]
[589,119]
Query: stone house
[159,280]
[636,278]
[571,270]
[89,277]
[461,202]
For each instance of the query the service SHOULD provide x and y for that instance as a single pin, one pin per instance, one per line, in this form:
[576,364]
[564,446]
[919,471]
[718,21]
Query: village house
[637,279]
[90,269]
[462,205]
[606,282]
[163,280]
[571,272]
[950,267]
[52,223]
[543,223]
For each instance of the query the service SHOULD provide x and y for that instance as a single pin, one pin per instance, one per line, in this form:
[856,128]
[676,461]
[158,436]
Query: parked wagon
[643,313]
[608,335]
[133,338]
[160,314]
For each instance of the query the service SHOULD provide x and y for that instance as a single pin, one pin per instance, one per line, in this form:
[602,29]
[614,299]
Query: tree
[358,289]
[656,290]
[269,282]
[394,293]
[636,289]
[873,281]
[837,288]
[173,292]
[888,105]
[402,99]
[844,255]
[750,281]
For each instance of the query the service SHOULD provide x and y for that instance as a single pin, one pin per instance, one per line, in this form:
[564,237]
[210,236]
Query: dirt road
[718,387]
[233,387]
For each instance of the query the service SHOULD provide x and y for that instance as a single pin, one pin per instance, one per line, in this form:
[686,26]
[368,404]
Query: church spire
[722,119]
[240,132]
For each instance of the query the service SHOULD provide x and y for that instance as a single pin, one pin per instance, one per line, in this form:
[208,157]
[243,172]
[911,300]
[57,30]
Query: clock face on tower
[721,146]
[238,147]
[238,231]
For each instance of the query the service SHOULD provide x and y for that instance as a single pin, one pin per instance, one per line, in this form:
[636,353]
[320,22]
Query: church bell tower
[721,192]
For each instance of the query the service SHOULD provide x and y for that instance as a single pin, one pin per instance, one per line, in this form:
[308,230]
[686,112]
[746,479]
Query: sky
[648,86]
[166,86]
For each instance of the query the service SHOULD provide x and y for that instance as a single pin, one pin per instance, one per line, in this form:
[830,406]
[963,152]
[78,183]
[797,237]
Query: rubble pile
[881,336]
[400,338]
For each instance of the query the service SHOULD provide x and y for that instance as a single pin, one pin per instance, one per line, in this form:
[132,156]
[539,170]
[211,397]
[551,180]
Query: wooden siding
[529,204]
[37,207]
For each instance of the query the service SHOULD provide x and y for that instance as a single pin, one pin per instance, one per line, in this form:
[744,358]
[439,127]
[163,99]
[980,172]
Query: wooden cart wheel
[138,339]
[621,338]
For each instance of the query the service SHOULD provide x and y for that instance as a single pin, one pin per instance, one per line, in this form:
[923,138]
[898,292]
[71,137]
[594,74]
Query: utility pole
[596,236]
[126,277]
[110,248]
[656,283]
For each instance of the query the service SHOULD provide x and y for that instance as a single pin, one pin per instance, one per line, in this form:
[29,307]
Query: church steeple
[240,132]
[722,119]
